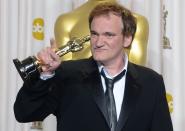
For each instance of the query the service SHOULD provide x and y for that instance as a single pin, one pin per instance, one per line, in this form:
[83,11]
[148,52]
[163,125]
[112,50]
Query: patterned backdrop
[27,26]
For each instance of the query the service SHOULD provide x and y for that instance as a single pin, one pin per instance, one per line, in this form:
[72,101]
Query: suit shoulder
[146,71]
[75,65]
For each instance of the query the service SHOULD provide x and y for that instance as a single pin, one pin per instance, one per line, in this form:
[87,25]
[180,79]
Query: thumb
[53,43]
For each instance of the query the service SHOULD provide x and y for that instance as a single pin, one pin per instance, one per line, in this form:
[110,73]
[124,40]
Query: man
[78,92]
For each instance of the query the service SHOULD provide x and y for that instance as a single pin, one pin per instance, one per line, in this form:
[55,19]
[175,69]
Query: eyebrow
[108,33]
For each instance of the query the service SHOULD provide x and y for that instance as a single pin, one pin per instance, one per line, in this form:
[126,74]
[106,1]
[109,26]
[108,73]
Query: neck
[115,66]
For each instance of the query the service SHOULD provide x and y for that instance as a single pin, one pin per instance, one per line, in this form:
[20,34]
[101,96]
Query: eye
[109,35]
[94,34]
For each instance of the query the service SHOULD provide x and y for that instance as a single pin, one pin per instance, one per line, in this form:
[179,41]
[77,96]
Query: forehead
[107,21]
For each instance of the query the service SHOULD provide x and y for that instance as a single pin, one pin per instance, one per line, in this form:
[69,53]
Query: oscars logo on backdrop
[170,102]
[37,125]
[38,28]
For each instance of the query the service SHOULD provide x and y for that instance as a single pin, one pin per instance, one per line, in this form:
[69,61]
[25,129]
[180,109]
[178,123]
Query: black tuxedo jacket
[75,96]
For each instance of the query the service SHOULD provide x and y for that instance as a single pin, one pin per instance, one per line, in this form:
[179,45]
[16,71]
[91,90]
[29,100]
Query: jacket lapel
[93,80]
[98,95]
[131,94]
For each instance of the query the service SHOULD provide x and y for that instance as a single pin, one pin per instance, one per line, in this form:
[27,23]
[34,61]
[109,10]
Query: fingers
[48,54]
[47,57]
[49,60]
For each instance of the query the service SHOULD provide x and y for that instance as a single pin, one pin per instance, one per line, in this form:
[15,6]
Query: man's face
[107,40]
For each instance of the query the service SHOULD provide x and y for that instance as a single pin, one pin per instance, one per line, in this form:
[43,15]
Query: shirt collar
[100,67]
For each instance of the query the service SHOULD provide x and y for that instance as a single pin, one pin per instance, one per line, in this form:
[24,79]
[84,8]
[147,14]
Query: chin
[99,58]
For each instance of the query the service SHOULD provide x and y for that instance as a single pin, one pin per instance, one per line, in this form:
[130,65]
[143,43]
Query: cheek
[92,46]
[92,42]
[116,44]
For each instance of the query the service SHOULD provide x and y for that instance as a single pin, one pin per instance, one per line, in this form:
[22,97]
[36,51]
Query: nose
[99,41]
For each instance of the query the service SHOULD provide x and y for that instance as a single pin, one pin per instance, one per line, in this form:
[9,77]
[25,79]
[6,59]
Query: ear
[127,41]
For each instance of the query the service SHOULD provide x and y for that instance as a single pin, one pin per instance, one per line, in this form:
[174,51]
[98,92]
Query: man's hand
[48,58]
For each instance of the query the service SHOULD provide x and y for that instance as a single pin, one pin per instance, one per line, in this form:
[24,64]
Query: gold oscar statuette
[31,66]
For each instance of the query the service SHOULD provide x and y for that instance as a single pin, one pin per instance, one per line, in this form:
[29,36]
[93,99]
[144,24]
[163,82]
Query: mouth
[99,49]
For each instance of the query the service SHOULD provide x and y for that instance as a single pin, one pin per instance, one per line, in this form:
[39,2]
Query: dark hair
[128,20]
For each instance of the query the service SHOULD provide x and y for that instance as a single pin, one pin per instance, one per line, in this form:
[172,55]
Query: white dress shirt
[119,86]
